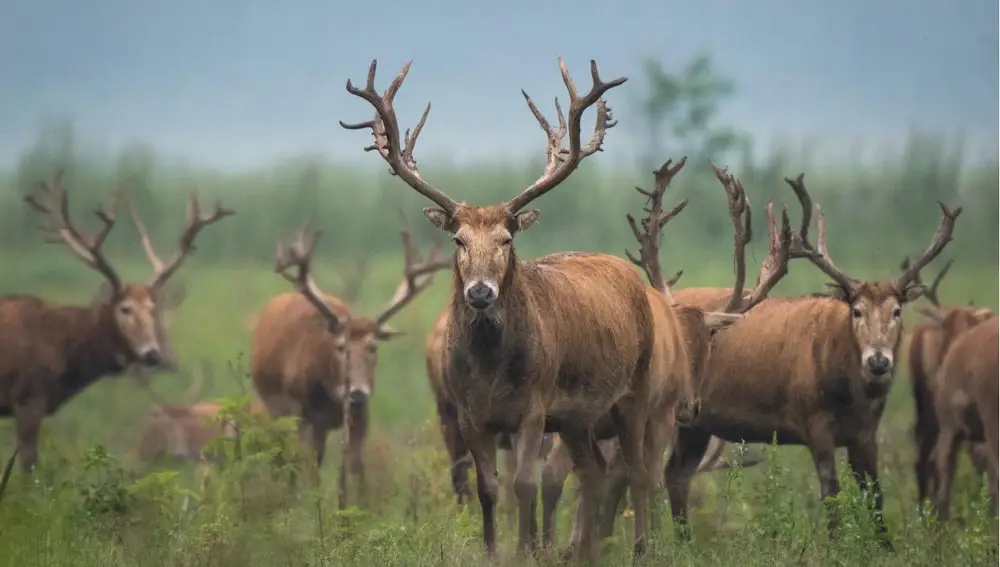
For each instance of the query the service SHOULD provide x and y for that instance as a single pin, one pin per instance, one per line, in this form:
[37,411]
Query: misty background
[886,106]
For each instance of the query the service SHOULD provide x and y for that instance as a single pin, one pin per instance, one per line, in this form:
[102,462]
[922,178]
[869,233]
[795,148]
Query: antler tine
[298,255]
[931,293]
[672,281]
[87,249]
[568,160]
[653,223]
[740,213]
[775,266]
[417,275]
[147,243]
[801,248]
[195,222]
[385,130]
[941,238]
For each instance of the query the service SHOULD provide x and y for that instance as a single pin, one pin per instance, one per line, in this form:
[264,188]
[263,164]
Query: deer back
[292,343]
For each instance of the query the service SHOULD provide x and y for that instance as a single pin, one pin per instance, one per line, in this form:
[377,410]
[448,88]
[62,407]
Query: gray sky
[239,84]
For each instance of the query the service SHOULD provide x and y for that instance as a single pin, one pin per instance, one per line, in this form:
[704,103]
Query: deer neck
[486,332]
[95,349]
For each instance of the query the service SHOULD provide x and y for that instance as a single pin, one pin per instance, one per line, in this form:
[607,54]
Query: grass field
[91,507]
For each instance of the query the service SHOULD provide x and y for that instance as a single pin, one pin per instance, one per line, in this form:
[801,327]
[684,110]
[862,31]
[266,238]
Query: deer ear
[716,321]
[439,218]
[983,313]
[912,292]
[105,293]
[387,333]
[171,295]
[932,314]
[525,219]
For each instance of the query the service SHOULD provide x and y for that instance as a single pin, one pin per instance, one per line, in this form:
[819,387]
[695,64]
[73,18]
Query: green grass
[87,508]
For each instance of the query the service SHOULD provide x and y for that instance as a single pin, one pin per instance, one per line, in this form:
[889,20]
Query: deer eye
[458,241]
[372,348]
[125,309]
[897,313]
[856,313]
[506,241]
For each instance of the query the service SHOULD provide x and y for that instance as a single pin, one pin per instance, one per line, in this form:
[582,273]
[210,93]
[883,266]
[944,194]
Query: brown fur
[928,345]
[811,371]
[967,404]
[180,431]
[321,366]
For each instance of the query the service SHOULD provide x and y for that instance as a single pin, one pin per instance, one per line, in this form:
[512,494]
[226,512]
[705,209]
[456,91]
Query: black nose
[152,358]
[357,397]
[480,296]
[878,364]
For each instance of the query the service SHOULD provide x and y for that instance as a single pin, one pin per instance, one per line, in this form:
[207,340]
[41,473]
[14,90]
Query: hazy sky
[238,84]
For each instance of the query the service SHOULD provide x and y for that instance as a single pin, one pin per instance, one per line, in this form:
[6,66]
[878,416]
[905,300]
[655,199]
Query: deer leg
[527,443]
[862,455]
[945,456]
[509,458]
[630,422]
[925,434]
[459,453]
[589,466]
[685,457]
[656,439]
[823,450]
[557,467]
[28,422]
[482,446]
[614,492]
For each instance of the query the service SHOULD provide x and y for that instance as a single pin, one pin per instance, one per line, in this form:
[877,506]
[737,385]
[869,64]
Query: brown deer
[49,353]
[928,344]
[812,371]
[967,404]
[549,345]
[312,358]
[683,333]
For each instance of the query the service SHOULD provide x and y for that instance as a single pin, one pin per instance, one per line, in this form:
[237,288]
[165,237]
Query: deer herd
[570,359]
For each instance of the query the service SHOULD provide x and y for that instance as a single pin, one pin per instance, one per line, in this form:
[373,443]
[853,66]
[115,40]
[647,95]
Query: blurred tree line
[876,213]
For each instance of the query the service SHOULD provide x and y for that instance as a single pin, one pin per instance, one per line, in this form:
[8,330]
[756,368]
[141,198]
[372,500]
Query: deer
[313,358]
[49,353]
[928,344]
[967,405]
[549,345]
[812,371]
[683,333]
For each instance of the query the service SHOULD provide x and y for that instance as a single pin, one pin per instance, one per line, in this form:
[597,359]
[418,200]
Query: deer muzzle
[480,294]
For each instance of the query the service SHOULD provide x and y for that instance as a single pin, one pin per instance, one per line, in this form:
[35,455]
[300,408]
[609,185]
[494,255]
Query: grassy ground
[91,506]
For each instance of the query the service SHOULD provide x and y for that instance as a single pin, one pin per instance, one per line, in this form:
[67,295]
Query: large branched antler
[652,226]
[818,255]
[942,236]
[297,256]
[86,248]
[417,274]
[385,129]
[560,161]
[775,265]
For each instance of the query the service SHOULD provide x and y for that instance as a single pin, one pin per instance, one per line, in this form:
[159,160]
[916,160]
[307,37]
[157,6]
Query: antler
[941,237]
[561,162]
[385,129]
[86,248]
[775,265]
[195,222]
[652,225]
[351,280]
[417,275]
[931,293]
[801,248]
[298,255]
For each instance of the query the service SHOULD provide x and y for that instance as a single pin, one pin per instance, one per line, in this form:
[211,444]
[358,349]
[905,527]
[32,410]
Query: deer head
[876,308]
[484,235]
[136,309]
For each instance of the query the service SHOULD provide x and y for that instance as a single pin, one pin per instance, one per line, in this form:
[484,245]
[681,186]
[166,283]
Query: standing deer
[534,346]
[928,344]
[49,353]
[683,333]
[967,404]
[811,371]
[312,358]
